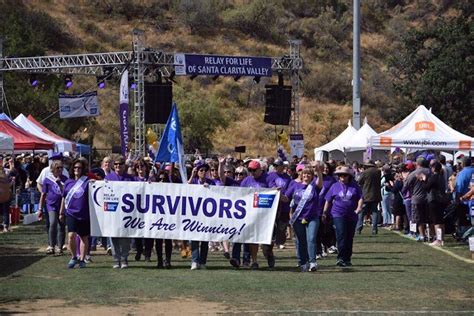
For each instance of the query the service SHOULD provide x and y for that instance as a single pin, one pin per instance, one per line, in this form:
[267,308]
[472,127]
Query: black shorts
[80,227]
[436,212]
[420,213]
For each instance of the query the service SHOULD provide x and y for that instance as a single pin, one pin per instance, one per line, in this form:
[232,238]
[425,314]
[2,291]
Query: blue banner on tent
[214,65]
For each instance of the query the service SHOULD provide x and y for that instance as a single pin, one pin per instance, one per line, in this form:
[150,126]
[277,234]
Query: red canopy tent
[22,139]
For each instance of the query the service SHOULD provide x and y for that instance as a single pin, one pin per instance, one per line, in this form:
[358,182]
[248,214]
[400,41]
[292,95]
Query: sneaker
[318,257]
[116,266]
[88,259]
[160,265]
[313,267]
[282,246]
[324,254]
[348,263]
[138,256]
[64,248]
[202,267]
[234,262]
[332,249]
[304,268]
[147,259]
[167,264]
[246,265]
[72,263]
[194,266]
[227,255]
[340,263]
[50,250]
[437,243]
[109,251]
[271,261]
[254,266]
[420,239]
[82,264]
[124,265]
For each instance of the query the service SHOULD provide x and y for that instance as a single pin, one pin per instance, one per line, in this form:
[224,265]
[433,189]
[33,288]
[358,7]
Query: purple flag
[123,114]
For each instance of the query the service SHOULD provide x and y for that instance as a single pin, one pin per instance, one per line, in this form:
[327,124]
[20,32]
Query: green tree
[200,117]
[436,68]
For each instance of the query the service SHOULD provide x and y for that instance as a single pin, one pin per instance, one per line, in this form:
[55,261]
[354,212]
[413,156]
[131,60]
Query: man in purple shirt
[120,246]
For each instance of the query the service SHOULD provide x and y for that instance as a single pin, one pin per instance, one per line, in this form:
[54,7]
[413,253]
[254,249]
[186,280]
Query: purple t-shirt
[251,182]
[328,181]
[138,179]
[113,176]
[310,209]
[195,180]
[53,192]
[344,199]
[230,182]
[79,204]
[281,181]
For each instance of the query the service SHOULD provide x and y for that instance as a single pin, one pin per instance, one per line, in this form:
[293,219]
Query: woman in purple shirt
[199,249]
[304,198]
[52,193]
[75,205]
[345,200]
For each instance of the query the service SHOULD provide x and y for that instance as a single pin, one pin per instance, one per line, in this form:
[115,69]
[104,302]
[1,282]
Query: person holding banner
[344,200]
[199,249]
[120,246]
[75,206]
[53,186]
[304,198]
[142,172]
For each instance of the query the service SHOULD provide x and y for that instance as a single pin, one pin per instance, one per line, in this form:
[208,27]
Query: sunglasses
[343,175]
[240,174]
[202,170]
[228,171]
[213,169]
[59,167]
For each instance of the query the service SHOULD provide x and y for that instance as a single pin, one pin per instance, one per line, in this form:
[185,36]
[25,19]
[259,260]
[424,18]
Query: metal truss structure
[139,61]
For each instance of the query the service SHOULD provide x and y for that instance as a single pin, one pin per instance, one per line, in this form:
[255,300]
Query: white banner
[182,211]
[78,105]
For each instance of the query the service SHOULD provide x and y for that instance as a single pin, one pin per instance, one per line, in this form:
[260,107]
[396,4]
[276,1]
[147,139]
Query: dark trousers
[326,236]
[345,230]
[147,242]
[159,249]
[237,248]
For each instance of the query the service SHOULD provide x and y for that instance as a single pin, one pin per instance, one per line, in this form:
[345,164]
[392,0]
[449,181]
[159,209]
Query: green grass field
[390,273]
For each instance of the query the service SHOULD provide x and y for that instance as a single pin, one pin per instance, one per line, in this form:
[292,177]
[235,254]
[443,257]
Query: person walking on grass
[304,198]
[370,181]
[344,202]
[200,249]
[52,194]
[120,246]
[75,209]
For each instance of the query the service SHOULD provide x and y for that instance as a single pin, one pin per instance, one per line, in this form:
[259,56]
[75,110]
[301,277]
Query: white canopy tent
[422,130]
[356,146]
[335,148]
[61,145]
[6,143]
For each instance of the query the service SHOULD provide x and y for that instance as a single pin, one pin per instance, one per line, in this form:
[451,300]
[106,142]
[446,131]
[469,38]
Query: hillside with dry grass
[256,28]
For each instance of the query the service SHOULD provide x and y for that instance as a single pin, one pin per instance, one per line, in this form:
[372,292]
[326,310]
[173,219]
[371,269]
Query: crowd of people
[323,204]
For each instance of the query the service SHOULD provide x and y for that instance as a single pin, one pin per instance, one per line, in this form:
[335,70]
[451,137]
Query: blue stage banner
[214,65]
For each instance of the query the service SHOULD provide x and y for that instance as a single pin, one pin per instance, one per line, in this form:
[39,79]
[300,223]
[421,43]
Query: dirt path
[60,307]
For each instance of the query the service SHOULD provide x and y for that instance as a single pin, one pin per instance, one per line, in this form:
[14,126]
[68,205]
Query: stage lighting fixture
[68,81]
[33,80]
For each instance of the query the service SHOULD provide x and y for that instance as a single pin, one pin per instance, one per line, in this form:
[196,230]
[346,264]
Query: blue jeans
[237,248]
[306,234]
[345,229]
[386,212]
[199,251]
[372,207]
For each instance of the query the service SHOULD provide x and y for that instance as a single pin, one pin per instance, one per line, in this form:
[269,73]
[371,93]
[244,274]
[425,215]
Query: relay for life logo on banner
[182,211]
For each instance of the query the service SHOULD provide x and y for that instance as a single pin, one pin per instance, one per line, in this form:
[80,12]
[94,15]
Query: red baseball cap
[254,164]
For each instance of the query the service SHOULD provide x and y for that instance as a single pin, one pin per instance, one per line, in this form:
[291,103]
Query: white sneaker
[88,259]
[281,246]
[313,266]
[332,249]
[194,266]
[324,254]
[124,266]
[116,266]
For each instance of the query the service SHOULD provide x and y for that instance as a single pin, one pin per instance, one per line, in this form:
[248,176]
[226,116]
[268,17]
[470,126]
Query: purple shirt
[251,182]
[229,182]
[310,209]
[79,204]
[344,199]
[53,192]
[328,181]
[195,180]
[113,176]
[281,181]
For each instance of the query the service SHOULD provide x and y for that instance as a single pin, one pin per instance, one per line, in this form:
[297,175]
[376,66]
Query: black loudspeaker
[158,100]
[277,104]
